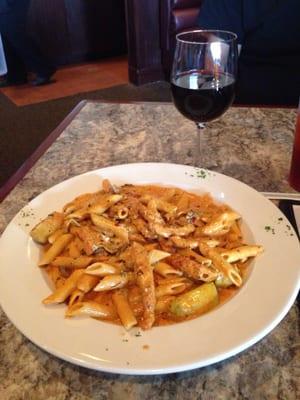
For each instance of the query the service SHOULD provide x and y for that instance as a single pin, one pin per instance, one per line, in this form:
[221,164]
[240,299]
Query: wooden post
[143,41]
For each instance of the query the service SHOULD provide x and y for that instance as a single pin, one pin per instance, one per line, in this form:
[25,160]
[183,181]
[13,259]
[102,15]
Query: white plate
[258,307]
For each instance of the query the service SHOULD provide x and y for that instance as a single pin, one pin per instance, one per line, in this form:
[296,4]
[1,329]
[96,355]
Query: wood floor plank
[72,80]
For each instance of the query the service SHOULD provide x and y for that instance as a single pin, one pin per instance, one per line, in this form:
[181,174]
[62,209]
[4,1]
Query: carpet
[23,129]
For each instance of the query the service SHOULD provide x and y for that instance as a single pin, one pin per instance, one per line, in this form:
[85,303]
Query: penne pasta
[200,259]
[90,309]
[105,202]
[155,256]
[167,231]
[114,281]
[221,224]
[73,249]
[107,186]
[192,269]
[55,235]
[72,263]
[81,202]
[142,255]
[123,309]
[222,265]
[241,253]
[108,225]
[55,276]
[169,289]
[86,283]
[166,270]
[76,296]
[57,247]
[102,269]
[185,243]
[64,291]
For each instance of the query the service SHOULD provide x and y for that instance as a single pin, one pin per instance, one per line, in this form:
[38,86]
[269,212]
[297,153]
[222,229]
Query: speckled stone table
[250,144]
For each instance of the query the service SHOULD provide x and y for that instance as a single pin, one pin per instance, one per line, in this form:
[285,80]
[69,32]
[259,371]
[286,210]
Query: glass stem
[198,158]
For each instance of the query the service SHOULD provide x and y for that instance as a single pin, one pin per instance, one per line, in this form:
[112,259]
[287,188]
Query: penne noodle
[192,269]
[105,202]
[167,231]
[150,246]
[185,243]
[166,270]
[241,253]
[56,248]
[55,276]
[74,250]
[90,309]
[222,265]
[161,205]
[78,215]
[86,283]
[210,242]
[64,291]
[101,269]
[81,202]
[221,224]
[235,228]
[123,309]
[171,288]
[107,186]
[55,235]
[106,224]
[91,239]
[155,256]
[122,212]
[183,203]
[114,281]
[69,262]
[200,259]
[76,296]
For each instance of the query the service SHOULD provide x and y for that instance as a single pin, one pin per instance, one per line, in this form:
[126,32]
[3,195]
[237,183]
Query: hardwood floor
[72,80]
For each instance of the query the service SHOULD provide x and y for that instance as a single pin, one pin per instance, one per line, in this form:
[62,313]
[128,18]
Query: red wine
[201,97]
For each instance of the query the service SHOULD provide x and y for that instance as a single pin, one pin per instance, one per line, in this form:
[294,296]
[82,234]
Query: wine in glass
[203,76]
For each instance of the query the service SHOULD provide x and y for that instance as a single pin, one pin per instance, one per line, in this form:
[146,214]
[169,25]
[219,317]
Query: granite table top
[250,144]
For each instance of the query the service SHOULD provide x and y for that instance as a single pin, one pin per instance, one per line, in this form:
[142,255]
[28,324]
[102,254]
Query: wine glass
[203,76]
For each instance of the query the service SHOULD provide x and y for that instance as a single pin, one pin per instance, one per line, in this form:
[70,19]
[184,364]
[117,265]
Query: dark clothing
[5,5]
[21,53]
[269,32]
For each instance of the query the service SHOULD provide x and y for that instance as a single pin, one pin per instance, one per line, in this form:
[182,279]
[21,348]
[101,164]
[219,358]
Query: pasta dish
[142,255]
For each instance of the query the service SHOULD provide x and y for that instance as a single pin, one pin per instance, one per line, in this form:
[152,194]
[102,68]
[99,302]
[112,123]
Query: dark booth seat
[176,16]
